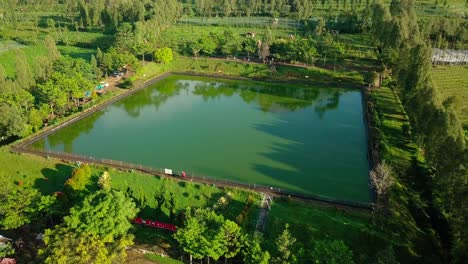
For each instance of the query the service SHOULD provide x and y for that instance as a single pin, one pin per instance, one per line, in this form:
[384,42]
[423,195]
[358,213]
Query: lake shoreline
[22,146]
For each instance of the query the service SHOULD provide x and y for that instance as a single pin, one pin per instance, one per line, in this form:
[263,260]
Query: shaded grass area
[257,71]
[400,147]
[77,52]
[46,175]
[161,260]
[406,221]
[310,222]
[453,81]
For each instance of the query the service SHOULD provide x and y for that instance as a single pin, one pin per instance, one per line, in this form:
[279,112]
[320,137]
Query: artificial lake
[304,139]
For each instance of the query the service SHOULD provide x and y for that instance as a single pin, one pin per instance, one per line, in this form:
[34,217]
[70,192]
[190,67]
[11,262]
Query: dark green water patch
[303,139]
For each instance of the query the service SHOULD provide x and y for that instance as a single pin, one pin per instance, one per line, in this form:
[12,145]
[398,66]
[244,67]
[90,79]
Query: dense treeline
[435,125]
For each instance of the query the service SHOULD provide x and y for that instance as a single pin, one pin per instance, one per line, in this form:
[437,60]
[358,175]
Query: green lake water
[303,139]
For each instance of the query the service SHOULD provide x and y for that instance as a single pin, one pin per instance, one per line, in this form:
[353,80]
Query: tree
[12,121]
[284,244]
[386,256]
[320,28]
[24,75]
[104,181]
[233,238]
[43,68]
[202,235]
[94,232]
[333,252]
[52,51]
[163,55]
[79,179]
[264,51]
[104,213]
[20,206]
[382,178]
[94,66]
[64,245]
[253,252]
[250,46]
[52,95]
[207,45]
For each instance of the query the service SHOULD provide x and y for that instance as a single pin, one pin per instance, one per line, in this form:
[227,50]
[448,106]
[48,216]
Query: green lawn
[310,222]
[400,147]
[46,175]
[161,260]
[77,52]
[453,81]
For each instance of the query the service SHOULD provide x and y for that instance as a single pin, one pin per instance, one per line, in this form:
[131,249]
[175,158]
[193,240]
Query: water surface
[304,139]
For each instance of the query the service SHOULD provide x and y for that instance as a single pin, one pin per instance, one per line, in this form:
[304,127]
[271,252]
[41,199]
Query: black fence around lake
[23,146]
[126,166]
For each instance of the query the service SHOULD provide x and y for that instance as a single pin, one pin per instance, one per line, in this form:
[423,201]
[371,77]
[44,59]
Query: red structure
[147,222]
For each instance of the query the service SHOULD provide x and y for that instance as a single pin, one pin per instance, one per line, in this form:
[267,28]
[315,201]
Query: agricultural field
[453,81]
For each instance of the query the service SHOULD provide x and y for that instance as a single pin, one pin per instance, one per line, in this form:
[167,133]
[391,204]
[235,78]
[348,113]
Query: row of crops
[453,81]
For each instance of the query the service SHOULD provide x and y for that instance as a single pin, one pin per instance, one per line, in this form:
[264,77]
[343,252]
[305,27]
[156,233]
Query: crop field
[453,81]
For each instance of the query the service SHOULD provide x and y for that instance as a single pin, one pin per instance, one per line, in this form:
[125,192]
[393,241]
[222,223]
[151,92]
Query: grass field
[46,175]
[453,81]
[311,222]
[161,260]
[77,52]
[7,58]
[400,148]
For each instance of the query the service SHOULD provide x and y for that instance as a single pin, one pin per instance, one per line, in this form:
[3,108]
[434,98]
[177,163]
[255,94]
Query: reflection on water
[304,139]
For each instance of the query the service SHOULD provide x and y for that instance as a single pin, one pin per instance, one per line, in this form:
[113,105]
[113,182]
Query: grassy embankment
[407,222]
[220,67]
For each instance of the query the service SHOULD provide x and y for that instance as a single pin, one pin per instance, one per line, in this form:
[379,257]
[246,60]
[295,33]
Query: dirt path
[263,213]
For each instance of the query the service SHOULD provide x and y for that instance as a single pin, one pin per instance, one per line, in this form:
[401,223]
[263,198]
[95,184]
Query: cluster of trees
[206,234]
[153,15]
[446,33]
[435,125]
[293,49]
[303,9]
[51,86]
[94,230]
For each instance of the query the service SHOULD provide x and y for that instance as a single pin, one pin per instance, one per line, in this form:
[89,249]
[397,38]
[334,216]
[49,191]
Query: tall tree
[253,252]
[284,244]
[332,252]
[103,213]
[94,232]
[24,75]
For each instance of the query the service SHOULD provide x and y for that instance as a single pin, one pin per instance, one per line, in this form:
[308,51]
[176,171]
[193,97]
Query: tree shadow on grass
[54,179]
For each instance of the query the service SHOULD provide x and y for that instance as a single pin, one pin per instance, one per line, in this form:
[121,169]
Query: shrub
[164,55]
